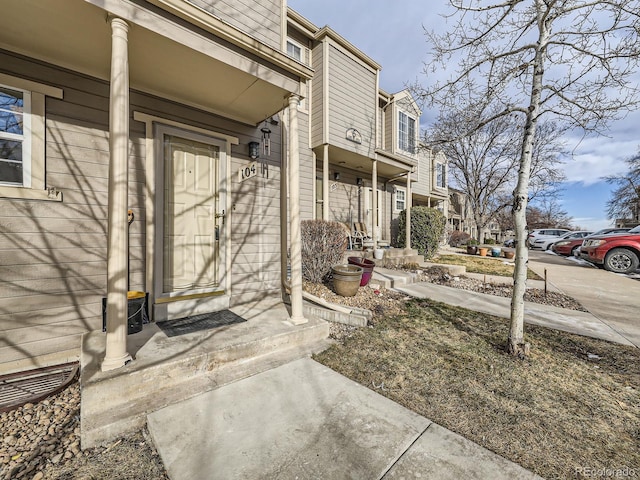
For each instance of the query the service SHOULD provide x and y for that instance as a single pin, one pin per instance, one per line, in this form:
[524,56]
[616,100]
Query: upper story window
[22,139]
[441,175]
[406,133]
[401,199]
[294,50]
[15,137]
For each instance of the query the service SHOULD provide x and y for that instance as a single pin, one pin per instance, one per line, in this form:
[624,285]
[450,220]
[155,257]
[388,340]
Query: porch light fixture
[359,182]
[336,176]
[254,150]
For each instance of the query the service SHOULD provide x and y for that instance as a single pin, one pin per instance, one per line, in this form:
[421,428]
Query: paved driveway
[613,298]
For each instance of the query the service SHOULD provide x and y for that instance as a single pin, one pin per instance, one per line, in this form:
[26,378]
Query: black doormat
[198,323]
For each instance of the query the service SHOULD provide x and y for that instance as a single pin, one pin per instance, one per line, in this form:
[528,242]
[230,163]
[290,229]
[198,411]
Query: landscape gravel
[41,441]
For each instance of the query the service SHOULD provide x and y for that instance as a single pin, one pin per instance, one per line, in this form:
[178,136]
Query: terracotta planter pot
[346,279]
[483,251]
[509,255]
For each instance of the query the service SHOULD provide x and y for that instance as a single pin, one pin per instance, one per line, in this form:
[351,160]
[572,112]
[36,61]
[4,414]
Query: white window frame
[24,138]
[33,153]
[403,191]
[440,172]
[406,140]
[297,45]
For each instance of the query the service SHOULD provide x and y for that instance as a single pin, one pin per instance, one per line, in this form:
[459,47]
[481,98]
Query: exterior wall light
[336,176]
[359,182]
[254,150]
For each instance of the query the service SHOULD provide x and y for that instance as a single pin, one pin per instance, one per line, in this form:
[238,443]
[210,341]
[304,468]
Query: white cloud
[594,158]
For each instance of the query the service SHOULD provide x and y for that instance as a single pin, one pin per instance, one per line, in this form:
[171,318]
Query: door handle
[221,215]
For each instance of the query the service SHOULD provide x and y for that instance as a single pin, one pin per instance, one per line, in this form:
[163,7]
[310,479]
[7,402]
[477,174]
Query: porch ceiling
[163,59]
[386,167]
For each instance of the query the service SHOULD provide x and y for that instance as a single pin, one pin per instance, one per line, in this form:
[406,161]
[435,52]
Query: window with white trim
[441,176]
[401,199]
[406,133]
[15,137]
[294,50]
[22,138]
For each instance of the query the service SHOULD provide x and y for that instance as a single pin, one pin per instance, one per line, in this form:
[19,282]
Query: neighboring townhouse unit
[364,140]
[155,107]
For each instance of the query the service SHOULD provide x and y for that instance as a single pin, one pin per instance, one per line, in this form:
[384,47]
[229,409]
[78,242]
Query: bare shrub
[458,238]
[323,245]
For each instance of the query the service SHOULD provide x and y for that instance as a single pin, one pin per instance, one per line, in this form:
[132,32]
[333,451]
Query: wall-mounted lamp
[254,150]
[336,176]
[359,181]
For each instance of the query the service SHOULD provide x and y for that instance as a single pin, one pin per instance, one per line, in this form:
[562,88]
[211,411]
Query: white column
[407,226]
[374,203]
[116,352]
[297,317]
[325,182]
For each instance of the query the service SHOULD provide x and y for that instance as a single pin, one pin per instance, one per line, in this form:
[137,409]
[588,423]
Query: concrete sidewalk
[304,421]
[572,321]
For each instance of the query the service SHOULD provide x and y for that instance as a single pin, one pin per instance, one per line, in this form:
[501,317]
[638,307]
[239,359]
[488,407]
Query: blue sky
[394,37]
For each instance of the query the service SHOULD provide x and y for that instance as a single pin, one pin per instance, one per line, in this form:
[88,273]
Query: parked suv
[544,233]
[577,252]
[618,253]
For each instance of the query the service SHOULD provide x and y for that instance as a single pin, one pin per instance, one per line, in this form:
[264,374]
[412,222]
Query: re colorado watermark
[621,472]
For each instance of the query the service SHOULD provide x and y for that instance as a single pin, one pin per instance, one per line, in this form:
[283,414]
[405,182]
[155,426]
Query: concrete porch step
[168,370]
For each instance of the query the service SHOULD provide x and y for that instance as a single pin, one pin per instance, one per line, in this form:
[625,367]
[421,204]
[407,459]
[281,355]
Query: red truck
[617,253]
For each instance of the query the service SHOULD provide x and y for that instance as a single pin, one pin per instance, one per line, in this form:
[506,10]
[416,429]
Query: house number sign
[248,171]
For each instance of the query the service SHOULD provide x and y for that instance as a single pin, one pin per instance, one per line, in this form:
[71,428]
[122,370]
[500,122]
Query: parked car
[569,243]
[605,231]
[510,242]
[545,233]
[619,253]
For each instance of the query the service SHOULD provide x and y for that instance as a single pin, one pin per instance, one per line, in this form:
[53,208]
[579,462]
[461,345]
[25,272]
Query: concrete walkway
[572,321]
[304,421]
[612,299]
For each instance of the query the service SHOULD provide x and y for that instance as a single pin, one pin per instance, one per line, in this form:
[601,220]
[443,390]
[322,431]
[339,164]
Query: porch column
[325,182]
[374,203]
[117,239]
[297,317]
[407,223]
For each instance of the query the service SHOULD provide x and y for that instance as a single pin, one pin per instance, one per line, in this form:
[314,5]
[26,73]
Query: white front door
[191,255]
[368,210]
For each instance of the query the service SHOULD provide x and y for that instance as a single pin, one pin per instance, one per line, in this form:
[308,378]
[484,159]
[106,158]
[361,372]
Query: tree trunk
[516,344]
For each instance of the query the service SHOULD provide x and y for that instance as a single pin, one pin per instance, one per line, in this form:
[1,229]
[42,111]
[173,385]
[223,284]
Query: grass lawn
[573,404]
[485,265]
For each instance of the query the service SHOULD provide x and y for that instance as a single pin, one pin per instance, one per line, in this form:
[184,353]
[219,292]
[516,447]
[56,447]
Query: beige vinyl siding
[317,98]
[423,184]
[307,176]
[53,254]
[261,20]
[389,128]
[352,102]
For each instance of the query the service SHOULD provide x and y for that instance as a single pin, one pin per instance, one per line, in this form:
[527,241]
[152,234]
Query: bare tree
[483,160]
[548,213]
[571,60]
[625,199]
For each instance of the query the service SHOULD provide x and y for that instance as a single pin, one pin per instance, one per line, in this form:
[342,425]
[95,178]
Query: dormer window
[406,133]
